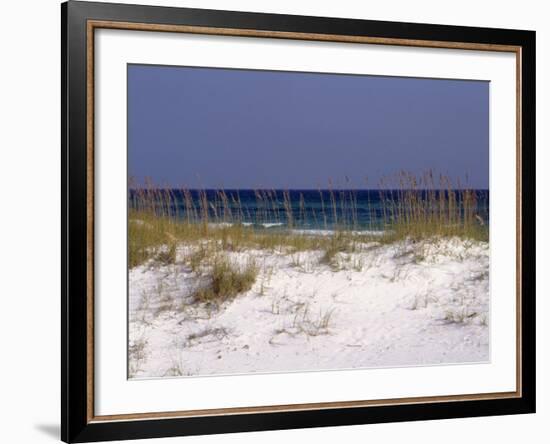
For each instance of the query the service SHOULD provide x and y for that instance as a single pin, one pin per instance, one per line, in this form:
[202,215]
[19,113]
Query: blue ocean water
[300,209]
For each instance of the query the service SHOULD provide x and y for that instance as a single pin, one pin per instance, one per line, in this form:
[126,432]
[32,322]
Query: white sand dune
[401,304]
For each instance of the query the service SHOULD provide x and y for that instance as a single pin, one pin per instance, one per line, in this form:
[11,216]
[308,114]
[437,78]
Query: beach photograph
[284,221]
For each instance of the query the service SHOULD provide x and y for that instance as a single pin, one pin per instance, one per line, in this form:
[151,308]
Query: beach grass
[411,207]
[226,280]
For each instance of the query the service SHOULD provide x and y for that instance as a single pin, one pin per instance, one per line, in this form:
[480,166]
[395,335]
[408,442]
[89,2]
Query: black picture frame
[76,423]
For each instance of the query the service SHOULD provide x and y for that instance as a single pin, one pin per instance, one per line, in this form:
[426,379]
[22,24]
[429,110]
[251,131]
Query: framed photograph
[275,221]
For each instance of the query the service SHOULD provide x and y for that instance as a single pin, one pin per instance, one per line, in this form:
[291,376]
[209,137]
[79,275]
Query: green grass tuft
[226,281]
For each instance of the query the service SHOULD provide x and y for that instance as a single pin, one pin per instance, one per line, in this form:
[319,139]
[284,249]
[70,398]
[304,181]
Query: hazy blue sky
[221,128]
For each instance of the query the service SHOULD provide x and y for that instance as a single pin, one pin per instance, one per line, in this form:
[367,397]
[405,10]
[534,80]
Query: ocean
[361,210]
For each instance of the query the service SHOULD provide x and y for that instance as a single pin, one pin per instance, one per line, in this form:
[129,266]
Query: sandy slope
[391,305]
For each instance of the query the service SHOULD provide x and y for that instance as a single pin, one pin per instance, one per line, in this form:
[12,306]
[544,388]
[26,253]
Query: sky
[236,129]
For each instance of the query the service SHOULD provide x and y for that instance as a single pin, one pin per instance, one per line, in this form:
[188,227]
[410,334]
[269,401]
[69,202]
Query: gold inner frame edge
[105,24]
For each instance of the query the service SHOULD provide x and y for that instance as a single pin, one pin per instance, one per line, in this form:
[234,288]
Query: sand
[401,304]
